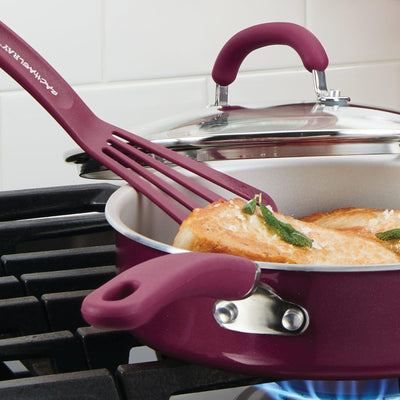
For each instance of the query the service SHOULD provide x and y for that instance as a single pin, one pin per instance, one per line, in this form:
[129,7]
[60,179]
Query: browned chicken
[361,221]
[223,227]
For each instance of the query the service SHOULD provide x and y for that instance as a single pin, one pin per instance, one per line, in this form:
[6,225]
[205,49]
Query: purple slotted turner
[123,152]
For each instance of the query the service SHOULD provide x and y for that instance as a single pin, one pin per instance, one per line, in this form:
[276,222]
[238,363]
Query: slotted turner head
[122,152]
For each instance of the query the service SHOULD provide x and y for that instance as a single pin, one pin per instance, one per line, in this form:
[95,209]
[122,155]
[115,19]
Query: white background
[135,62]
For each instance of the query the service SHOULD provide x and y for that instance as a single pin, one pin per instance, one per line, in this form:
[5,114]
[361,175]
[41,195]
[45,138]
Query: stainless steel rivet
[292,319]
[226,313]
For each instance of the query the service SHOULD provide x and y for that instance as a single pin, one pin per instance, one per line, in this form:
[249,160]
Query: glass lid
[232,132]
[330,126]
[291,120]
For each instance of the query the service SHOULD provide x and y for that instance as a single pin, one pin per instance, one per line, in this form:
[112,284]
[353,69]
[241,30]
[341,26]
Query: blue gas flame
[382,389]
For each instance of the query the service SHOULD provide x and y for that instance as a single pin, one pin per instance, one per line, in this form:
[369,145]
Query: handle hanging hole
[120,291]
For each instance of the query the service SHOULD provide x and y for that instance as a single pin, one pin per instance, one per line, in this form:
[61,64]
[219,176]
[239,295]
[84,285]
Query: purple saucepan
[295,321]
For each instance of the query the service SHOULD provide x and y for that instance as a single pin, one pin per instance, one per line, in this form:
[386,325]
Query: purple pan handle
[231,56]
[135,296]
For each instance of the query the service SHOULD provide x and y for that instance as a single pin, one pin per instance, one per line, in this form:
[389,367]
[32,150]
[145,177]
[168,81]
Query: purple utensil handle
[231,56]
[135,296]
[40,79]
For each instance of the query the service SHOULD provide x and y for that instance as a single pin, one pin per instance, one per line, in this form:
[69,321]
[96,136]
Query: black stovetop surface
[56,246]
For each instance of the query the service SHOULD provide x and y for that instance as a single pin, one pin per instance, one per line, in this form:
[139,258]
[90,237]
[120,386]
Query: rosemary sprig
[284,230]
[389,235]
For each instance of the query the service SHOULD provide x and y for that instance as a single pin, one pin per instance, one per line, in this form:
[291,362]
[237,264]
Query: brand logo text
[35,73]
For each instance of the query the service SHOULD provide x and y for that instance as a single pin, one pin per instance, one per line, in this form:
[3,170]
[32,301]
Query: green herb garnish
[284,230]
[250,206]
[389,235]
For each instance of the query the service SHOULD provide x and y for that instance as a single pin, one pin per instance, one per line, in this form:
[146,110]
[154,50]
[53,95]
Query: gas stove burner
[384,389]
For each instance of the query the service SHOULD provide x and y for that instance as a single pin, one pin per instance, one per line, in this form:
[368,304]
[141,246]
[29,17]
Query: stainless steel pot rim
[123,194]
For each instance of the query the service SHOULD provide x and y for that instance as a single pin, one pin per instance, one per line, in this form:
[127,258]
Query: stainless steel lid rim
[275,137]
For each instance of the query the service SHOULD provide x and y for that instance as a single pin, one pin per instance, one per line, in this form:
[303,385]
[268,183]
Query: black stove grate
[56,247]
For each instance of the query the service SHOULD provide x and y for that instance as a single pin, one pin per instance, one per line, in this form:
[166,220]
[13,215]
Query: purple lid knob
[231,56]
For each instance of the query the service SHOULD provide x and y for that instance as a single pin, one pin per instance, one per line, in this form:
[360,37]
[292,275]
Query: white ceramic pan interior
[299,186]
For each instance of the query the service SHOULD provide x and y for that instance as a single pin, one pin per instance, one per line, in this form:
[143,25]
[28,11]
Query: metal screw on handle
[226,314]
[292,319]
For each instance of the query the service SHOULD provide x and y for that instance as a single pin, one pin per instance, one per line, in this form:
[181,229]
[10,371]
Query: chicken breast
[223,227]
[361,221]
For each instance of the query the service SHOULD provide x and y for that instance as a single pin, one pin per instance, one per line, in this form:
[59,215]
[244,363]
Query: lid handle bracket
[324,95]
[221,95]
